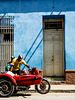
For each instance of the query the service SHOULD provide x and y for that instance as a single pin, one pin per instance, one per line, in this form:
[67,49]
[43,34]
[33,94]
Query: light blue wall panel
[26,30]
[70,40]
[28,23]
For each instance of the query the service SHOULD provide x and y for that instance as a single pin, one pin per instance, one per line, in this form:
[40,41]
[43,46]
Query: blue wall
[26,31]
[28,23]
[27,6]
[70,40]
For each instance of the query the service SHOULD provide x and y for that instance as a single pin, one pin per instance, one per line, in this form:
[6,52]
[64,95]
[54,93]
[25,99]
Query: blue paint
[69,40]
[30,28]
[53,16]
[33,43]
[28,15]
[26,31]
[27,6]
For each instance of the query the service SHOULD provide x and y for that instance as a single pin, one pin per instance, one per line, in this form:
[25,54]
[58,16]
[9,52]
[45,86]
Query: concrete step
[57,82]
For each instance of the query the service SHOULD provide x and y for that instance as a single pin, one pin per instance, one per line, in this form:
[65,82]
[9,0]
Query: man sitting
[9,67]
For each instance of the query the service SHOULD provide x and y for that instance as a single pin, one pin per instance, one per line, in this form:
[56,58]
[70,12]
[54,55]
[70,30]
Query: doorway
[53,47]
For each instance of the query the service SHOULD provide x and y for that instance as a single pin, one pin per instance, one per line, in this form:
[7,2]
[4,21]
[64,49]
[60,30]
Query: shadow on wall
[27,6]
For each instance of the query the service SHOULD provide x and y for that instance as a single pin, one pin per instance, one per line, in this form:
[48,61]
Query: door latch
[52,58]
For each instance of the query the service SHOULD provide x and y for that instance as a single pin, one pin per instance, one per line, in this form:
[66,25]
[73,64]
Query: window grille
[53,25]
[6,40]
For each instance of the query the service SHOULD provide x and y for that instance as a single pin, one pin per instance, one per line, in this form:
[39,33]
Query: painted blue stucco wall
[27,6]
[26,31]
[70,40]
[28,23]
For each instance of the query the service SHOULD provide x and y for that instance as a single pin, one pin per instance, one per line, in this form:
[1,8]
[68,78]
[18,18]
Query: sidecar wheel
[43,87]
[6,88]
[15,91]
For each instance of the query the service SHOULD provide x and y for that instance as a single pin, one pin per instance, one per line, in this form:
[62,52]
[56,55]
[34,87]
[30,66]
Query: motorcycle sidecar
[25,80]
[8,83]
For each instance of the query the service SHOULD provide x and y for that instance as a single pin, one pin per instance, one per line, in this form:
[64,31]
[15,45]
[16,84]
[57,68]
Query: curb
[54,91]
[62,91]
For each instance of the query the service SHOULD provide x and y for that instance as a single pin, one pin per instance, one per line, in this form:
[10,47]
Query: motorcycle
[10,84]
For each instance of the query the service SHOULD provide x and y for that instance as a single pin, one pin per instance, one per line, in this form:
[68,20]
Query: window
[53,25]
[8,37]
[6,28]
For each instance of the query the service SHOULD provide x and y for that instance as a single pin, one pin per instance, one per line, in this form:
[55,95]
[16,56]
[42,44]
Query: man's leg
[15,72]
[19,72]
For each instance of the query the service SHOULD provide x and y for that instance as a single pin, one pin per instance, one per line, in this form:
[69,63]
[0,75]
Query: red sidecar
[26,80]
[10,84]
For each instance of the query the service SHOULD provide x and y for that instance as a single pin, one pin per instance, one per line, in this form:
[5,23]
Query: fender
[44,79]
[8,77]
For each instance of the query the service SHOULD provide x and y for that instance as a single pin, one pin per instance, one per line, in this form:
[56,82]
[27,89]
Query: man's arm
[11,68]
[8,62]
[25,64]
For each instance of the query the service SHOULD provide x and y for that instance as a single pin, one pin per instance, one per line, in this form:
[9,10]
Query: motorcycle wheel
[6,88]
[43,87]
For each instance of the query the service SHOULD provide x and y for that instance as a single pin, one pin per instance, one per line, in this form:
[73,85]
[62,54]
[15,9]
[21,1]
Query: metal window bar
[53,25]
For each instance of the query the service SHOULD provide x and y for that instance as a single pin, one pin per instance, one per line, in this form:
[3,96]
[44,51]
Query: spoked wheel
[43,87]
[6,88]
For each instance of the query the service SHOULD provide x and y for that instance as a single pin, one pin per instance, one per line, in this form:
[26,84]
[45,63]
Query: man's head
[12,57]
[19,58]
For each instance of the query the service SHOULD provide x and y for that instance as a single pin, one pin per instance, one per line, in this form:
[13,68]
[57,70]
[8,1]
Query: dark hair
[20,57]
[12,57]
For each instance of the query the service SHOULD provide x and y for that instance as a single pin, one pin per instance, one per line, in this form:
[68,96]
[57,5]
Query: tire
[43,87]
[6,88]
[15,91]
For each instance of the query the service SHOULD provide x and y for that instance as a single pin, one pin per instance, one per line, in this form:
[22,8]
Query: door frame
[49,20]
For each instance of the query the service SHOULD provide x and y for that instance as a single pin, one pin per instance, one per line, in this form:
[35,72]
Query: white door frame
[53,20]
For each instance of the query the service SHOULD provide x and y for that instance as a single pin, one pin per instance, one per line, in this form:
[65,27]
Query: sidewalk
[63,88]
[59,88]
